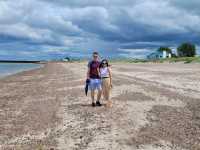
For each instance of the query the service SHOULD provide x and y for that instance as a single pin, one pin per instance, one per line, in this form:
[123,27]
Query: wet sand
[156,107]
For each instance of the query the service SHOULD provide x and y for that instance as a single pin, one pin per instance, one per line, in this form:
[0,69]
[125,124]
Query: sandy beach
[156,107]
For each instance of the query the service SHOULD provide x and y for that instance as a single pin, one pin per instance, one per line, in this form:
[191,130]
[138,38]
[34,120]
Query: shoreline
[18,61]
[11,73]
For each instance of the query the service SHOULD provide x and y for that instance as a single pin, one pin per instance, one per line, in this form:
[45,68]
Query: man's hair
[95,53]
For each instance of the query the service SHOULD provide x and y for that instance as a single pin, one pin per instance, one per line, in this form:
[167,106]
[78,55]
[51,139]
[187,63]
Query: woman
[106,77]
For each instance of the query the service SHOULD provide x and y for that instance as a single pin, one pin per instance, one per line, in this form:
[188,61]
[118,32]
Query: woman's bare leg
[99,95]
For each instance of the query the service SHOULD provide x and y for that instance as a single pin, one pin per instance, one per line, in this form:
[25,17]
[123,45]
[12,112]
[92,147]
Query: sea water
[12,68]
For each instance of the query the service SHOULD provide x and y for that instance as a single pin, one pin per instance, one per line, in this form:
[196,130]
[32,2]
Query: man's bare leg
[92,95]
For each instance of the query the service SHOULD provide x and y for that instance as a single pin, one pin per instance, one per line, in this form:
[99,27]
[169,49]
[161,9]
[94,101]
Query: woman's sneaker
[98,103]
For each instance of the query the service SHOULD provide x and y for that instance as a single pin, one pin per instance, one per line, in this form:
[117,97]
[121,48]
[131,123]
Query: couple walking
[99,78]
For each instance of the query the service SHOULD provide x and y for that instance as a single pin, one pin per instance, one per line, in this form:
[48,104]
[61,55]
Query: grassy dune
[185,59]
[170,60]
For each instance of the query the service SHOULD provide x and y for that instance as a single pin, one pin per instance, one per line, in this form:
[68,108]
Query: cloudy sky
[51,29]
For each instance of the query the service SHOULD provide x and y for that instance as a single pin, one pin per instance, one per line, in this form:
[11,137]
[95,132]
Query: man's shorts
[95,84]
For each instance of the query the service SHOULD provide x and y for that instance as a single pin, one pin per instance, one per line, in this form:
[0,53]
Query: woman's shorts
[95,84]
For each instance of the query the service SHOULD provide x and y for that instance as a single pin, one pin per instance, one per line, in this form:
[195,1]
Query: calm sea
[12,68]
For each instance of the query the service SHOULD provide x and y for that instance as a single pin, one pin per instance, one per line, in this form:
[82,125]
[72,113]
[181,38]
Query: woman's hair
[101,64]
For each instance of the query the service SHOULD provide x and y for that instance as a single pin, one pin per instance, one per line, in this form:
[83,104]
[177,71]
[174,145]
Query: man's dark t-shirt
[94,65]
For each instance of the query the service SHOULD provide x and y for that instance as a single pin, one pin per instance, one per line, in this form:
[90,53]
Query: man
[94,76]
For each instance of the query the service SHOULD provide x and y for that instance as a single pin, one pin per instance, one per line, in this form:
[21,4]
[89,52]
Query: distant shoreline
[16,61]
[25,67]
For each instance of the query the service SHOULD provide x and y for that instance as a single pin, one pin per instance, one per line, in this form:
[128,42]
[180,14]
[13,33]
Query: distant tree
[186,50]
[167,49]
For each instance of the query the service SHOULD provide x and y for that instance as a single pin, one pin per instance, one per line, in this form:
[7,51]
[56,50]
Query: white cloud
[105,24]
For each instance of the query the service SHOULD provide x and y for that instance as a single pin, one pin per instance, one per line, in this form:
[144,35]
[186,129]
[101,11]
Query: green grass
[171,60]
[184,59]
[197,60]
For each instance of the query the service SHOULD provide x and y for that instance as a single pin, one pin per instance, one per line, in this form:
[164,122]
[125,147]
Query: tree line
[184,50]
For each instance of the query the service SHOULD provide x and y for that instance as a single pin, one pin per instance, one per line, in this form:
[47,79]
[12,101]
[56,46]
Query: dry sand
[156,107]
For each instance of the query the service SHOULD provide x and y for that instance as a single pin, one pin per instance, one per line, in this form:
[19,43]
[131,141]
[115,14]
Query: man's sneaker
[98,103]
[93,104]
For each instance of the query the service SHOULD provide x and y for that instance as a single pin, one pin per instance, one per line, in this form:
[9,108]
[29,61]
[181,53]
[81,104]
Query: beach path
[155,107]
